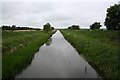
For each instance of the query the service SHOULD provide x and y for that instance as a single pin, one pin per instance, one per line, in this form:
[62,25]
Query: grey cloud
[59,14]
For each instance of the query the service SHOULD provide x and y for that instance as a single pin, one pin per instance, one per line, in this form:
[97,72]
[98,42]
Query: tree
[74,27]
[6,27]
[69,27]
[112,21]
[47,27]
[13,27]
[52,28]
[95,25]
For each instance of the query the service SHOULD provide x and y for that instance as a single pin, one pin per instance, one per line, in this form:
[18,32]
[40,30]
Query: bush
[95,25]
[74,27]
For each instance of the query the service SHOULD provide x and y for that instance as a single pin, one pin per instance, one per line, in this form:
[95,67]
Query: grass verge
[100,49]
[14,62]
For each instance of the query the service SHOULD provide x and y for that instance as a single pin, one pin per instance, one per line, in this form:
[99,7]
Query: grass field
[19,49]
[100,49]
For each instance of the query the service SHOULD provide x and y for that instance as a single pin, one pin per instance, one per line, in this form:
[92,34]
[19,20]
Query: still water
[58,59]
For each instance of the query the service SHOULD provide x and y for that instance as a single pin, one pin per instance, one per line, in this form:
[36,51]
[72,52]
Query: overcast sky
[59,13]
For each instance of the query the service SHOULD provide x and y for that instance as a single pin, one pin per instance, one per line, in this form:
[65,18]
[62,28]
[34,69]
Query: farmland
[18,49]
[100,49]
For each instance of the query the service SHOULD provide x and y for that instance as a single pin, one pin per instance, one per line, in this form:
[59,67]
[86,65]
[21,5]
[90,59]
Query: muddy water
[58,59]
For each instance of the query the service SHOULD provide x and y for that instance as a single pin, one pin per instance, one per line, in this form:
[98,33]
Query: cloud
[59,0]
[59,14]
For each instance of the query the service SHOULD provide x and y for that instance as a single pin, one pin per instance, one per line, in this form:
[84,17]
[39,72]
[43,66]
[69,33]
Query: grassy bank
[100,48]
[19,49]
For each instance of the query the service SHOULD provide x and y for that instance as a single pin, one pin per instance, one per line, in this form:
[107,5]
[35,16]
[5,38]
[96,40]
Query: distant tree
[69,27]
[95,25]
[74,27]
[52,28]
[17,28]
[112,21]
[47,27]
[6,27]
[13,27]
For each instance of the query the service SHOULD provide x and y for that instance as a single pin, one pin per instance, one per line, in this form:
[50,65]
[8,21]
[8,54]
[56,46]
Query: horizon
[103,27]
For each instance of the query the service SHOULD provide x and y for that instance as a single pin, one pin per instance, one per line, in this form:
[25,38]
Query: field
[18,49]
[100,49]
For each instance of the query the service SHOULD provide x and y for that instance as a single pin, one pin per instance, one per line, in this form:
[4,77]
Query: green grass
[14,40]
[100,49]
[13,62]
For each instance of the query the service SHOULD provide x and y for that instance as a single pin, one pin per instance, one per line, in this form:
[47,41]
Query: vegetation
[52,28]
[74,27]
[47,27]
[13,27]
[95,25]
[100,49]
[112,21]
[19,49]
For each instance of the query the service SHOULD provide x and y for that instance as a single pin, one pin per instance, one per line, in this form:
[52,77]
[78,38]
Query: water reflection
[49,42]
[59,60]
[85,69]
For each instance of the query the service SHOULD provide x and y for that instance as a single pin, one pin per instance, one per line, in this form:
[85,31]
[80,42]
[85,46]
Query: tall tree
[112,21]
[47,27]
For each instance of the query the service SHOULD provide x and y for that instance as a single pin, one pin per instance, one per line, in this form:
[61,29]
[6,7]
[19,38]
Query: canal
[58,59]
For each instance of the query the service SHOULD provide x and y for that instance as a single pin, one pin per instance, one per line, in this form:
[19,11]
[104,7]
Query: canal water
[58,59]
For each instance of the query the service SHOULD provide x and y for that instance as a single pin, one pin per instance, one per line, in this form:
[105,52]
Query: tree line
[47,27]
[112,20]
[13,27]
